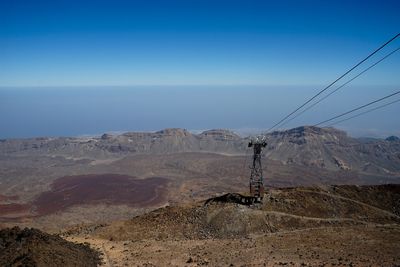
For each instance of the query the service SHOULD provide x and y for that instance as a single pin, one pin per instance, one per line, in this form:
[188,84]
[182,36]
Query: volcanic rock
[31,247]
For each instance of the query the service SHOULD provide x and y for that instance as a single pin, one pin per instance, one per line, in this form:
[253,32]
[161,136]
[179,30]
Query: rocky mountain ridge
[308,146]
[171,140]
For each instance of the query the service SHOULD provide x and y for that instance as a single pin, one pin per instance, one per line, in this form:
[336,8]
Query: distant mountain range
[325,148]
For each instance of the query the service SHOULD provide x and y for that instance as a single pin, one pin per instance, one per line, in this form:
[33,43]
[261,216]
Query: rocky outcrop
[32,247]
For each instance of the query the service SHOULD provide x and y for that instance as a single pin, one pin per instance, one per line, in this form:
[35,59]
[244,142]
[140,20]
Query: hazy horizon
[77,111]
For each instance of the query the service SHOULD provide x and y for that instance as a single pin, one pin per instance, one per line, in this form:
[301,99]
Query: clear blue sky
[70,42]
[70,67]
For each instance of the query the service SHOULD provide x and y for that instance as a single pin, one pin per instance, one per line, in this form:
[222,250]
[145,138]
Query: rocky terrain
[332,149]
[303,226]
[171,166]
[172,198]
[307,146]
[162,142]
[31,247]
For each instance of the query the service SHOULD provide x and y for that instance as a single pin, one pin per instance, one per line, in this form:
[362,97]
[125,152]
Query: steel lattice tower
[256,177]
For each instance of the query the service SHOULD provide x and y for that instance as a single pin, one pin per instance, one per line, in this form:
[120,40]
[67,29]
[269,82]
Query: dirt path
[314,218]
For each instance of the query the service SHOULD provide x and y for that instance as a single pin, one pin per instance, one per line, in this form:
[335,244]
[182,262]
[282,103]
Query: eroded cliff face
[333,149]
[166,141]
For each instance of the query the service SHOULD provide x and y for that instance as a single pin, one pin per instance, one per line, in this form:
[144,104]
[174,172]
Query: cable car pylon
[256,176]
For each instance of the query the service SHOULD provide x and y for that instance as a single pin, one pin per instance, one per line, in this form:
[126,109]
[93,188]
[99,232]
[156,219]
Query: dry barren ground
[327,246]
[331,226]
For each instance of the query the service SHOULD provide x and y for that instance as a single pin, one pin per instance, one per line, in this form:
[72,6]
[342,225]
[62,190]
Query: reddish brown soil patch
[100,189]
[4,198]
[10,210]
[13,208]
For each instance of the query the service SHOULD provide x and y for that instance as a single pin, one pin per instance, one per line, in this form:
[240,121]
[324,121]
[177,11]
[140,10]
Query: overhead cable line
[343,85]
[365,112]
[330,85]
[358,108]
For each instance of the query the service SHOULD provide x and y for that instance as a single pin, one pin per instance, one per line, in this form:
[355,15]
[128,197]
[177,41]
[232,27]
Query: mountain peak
[220,134]
[174,131]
